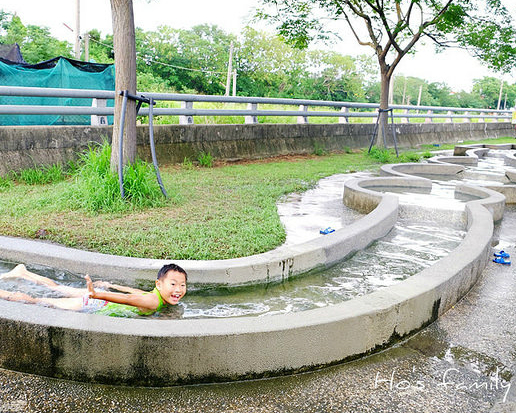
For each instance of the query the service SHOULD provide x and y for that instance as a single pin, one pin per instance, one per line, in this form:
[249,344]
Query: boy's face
[172,287]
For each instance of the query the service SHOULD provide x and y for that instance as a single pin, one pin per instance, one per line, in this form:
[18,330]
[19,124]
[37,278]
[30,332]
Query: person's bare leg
[17,296]
[68,303]
[20,271]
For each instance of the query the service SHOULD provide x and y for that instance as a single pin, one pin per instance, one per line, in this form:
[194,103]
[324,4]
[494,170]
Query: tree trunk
[383,124]
[125,79]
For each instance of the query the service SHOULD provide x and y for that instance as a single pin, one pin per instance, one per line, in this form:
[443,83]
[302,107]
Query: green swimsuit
[126,310]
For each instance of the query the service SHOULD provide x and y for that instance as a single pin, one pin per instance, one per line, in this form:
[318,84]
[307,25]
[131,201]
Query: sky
[453,67]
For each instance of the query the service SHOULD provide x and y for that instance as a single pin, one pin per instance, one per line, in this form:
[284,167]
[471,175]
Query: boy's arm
[148,301]
[122,288]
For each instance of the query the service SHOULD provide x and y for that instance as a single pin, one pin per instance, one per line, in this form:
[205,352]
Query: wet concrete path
[464,362]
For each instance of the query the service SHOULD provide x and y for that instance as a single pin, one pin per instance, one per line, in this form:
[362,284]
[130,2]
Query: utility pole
[86,47]
[391,90]
[500,95]
[419,96]
[404,90]
[230,70]
[234,82]
[78,29]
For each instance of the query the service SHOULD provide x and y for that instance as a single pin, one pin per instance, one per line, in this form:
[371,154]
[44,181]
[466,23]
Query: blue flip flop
[501,261]
[501,254]
[326,231]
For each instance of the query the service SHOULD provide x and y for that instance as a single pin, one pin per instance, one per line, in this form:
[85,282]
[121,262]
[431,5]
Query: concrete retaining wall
[23,147]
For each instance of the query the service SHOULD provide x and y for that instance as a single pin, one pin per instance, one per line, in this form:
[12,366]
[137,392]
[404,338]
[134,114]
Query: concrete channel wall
[24,147]
[279,264]
[95,348]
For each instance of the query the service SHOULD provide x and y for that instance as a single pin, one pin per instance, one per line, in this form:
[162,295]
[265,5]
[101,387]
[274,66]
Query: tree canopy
[195,61]
[392,28]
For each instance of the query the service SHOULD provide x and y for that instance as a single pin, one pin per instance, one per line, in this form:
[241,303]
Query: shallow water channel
[412,245]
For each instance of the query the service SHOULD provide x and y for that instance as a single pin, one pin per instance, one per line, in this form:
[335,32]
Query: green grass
[213,213]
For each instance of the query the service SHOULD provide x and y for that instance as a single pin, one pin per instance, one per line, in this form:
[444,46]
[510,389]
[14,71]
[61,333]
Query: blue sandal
[501,261]
[501,254]
[326,231]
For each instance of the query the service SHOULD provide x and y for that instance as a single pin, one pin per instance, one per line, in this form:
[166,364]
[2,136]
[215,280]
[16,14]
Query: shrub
[381,155]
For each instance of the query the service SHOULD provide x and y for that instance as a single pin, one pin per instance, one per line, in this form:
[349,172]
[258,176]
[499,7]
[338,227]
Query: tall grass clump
[40,176]
[97,188]
[381,155]
[5,183]
[205,159]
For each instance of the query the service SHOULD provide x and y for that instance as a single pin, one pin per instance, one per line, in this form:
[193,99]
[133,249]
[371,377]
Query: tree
[125,79]
[267,66]
[392,28]
[36,43]
[487,90]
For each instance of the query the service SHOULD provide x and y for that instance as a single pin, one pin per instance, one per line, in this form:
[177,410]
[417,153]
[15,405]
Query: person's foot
[16,272]
[89,286]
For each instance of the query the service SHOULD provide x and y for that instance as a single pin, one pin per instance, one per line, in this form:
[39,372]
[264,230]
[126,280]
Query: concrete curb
[278,264]
[476,151]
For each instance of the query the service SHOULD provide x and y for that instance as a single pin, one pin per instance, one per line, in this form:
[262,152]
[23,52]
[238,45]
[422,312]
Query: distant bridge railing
[344,111]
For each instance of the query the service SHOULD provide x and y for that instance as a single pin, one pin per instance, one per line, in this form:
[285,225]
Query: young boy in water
[170,288]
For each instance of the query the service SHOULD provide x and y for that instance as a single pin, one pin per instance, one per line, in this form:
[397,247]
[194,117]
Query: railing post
[302,119]
[186,119]
[429,120]
[97,120]
[466,120]
[448,117]
[405,120]
[251,119]
[344,119]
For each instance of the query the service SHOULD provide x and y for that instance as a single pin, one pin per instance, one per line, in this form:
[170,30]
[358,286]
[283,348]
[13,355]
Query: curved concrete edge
[409,169]
[460,150]
[358,196]
[510,159]
[461,160]
[477,152]
[465,154]
[278,264]
[511,176]
[494,201]
[508,191]
[94,348]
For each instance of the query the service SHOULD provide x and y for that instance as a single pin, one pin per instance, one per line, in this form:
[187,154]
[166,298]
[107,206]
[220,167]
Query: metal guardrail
[343,110]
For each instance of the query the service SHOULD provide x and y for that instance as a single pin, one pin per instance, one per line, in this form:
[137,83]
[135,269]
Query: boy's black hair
[171,267]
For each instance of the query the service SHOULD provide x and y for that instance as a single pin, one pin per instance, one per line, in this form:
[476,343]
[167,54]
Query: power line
[162,63]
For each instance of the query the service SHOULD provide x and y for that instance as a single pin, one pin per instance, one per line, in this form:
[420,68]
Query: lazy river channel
[413,244]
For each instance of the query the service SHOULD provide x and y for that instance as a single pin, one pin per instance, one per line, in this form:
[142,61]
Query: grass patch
[41,176]
[215,213]
[222,212]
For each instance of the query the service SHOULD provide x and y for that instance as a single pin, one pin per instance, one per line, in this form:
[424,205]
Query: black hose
[153,150]
[121,145]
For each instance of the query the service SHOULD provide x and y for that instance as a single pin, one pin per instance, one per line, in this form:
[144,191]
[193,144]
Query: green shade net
[56,73]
